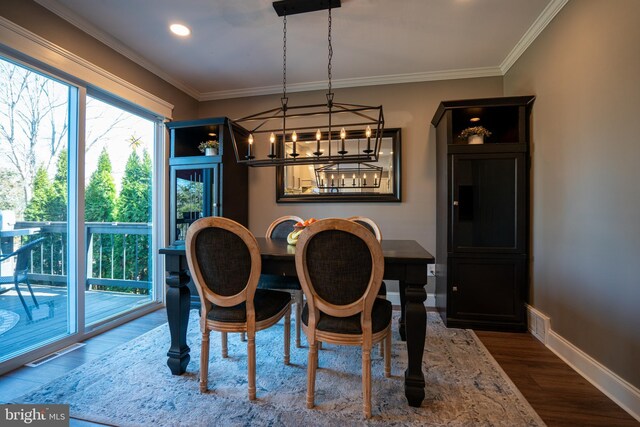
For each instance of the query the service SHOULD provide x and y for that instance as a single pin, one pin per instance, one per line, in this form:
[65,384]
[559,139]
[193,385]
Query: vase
[210,151]
[476,139]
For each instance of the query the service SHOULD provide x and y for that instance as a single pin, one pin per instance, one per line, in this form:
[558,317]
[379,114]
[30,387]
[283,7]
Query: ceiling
[235,48]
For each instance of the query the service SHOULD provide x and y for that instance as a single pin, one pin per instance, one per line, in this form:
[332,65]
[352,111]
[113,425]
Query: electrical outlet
[431,270]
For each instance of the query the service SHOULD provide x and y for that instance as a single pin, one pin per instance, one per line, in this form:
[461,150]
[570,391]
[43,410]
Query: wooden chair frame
[296,294]
[363,305]
[207,297]
[371,223]
[378,234]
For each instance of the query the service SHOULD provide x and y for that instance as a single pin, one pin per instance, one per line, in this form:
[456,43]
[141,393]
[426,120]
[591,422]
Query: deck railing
[117,254]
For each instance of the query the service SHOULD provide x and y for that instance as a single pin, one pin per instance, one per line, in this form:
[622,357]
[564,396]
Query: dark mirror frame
[394,196]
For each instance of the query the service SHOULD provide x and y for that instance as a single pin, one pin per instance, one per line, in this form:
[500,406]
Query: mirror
[342,182]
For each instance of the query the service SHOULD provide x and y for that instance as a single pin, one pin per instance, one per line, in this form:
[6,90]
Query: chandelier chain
[284,58]
[330,51]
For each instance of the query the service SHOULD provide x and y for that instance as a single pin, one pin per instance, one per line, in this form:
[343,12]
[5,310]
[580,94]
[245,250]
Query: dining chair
[224,260]
[22,256]
[371,225]
[280,229]
[340,266]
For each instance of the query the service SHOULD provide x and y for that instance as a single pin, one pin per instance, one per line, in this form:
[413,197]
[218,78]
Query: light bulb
[272,138]
[294,136]
[343,133]
[318,135]
[250,138]
[365,176]
[368,132]
[354,176]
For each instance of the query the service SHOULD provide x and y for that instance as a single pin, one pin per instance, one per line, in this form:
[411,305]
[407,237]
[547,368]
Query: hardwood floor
[559,395]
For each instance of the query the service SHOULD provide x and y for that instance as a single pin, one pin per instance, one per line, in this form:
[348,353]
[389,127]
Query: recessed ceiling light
[180,30]
[474,119]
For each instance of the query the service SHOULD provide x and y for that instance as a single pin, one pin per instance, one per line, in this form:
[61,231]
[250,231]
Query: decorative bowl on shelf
[474,135]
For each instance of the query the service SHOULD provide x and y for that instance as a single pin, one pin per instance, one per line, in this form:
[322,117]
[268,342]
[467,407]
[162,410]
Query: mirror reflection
[369,181]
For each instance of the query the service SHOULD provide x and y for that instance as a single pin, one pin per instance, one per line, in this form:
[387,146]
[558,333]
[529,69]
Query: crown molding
[115,44]
[532,33]
[469,73]
[21,41]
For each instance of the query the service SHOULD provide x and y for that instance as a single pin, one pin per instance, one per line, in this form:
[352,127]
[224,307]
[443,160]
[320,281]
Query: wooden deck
[50,321]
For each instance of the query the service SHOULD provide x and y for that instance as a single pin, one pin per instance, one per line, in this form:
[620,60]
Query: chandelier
[324,133]
[336,176]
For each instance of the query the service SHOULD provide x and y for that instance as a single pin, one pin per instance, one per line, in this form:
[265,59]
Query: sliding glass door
[37,305]
[77,211]
[119,148]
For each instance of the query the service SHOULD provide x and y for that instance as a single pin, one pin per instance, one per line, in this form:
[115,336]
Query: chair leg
[298,317]
[243,337]
[24,303]
[26,280]
[223,344]
[251,358]
[287,336]
[387,355]
[381,348]
[204,362]
[366,382]
[312,365]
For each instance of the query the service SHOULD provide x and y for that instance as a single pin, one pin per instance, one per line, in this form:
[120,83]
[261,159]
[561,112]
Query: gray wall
[407,106]
[585,71]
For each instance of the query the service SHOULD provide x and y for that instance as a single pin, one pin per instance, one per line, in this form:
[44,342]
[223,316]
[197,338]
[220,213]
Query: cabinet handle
[455,203]
[455,288]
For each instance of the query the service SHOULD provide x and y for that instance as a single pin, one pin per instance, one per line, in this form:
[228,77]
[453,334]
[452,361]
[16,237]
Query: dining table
[404,260]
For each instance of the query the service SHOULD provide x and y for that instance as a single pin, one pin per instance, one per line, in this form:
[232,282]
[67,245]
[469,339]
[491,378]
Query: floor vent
[54,355]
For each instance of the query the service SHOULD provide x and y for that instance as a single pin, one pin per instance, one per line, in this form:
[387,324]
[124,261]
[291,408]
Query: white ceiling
[236,45]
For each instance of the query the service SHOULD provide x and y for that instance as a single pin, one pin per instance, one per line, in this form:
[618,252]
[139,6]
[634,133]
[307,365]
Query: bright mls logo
[34,415]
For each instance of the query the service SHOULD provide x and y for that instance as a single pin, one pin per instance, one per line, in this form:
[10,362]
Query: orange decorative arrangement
[298,228]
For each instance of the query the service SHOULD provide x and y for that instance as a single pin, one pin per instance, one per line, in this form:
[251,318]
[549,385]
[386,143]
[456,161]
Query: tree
[57,206]
[134,205]
[31,105]
[100,196]
[134,199]
[11,191]
[38,207]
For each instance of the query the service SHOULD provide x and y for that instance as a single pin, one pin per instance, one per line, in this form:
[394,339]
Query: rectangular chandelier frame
[282,121]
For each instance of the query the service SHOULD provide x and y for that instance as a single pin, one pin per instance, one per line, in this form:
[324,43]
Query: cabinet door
[487,202]
[194,192]
[489,290]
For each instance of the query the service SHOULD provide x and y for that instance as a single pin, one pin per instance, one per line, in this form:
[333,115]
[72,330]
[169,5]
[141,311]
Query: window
[73,274]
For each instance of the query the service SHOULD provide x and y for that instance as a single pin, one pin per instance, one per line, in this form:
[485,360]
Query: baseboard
[613,386]
[394,297]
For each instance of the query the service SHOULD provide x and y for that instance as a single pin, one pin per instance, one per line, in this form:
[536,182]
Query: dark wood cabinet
[482,248]
[202,185]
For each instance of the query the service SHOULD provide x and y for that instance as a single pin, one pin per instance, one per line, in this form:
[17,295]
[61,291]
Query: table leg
[401,323]
[416,328]
[178,302]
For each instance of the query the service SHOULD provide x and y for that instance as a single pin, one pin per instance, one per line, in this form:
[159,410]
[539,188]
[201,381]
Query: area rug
[132,385]
[8,319]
